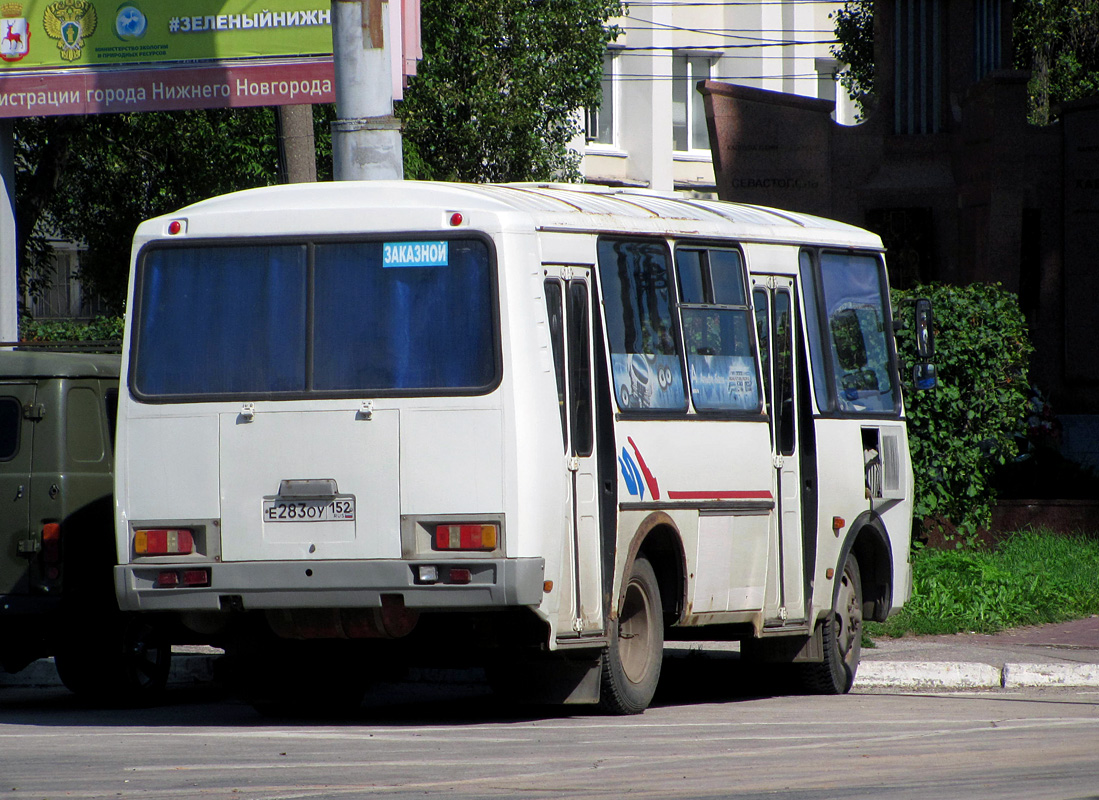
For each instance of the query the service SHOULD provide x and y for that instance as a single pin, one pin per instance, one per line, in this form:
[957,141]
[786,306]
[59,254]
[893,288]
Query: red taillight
[170,578]
[457,575]
[167,578]
[164,542]
[196,577]
[465,537]
[51,549]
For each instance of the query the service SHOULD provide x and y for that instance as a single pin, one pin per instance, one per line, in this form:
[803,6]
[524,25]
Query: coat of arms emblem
[15,34]
[70,22]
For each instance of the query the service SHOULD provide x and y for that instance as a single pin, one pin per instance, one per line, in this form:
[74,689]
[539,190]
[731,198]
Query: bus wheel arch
[649,600]
[658,540]
[868,542]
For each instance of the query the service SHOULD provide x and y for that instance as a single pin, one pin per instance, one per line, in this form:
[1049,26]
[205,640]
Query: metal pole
[9,279]
[366,137]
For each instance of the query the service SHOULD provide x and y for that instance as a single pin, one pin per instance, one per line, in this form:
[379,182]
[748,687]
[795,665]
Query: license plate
[312,510]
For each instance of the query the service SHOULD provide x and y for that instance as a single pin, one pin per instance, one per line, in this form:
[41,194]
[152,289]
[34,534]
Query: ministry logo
[70,22]
[130,23]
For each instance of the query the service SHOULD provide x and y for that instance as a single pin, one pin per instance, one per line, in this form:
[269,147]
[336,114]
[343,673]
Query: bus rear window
[324,318]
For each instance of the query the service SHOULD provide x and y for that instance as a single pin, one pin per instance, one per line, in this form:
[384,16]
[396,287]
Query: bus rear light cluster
[466,537]
[170,578]
[164,542]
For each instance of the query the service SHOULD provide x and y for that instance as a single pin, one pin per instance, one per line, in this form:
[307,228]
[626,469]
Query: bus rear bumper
[457,584]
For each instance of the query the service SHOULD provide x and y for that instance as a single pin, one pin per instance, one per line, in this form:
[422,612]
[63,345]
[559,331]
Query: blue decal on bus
[415,254]
[631,475]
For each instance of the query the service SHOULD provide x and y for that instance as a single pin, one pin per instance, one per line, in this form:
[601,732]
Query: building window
[599,122]
[688,115]
[919,49]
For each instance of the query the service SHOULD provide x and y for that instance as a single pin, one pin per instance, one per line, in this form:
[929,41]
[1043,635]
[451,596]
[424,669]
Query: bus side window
[555,312]
[717,329]
[763,332]
[580,370]
[784,374]
[637,303]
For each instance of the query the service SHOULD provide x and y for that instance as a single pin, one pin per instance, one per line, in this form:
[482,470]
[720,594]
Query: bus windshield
[855,315]
[393,317]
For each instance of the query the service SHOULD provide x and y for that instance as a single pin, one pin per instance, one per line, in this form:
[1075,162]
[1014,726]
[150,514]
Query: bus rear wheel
[632,660]
[842,637]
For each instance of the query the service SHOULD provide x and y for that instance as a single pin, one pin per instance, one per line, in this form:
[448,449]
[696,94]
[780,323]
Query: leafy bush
[100,329]
[960,431]
[1030,578]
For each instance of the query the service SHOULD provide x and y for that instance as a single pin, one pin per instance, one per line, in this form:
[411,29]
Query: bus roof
[338,207]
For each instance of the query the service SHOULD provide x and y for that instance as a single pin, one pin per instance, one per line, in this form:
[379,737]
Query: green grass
[1031,578]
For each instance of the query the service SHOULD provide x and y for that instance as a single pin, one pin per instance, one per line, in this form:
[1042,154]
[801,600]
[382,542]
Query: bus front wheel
[632,660]
[842,637]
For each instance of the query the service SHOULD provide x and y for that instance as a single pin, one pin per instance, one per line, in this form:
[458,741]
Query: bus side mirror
[923,374]
[925,335]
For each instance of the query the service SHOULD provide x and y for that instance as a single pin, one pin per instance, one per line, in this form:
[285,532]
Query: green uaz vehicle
[57,419]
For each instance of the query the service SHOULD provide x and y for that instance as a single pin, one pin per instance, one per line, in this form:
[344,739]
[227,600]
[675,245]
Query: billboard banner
[231,85]
[74,34]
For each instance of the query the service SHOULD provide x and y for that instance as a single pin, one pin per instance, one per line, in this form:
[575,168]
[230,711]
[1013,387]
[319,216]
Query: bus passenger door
[773,297]
[569,298]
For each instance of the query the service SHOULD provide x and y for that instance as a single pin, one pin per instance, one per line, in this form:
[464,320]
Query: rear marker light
[166,579]
[164,542]
[196,577]
[460,576]
[175,227]
[465,537]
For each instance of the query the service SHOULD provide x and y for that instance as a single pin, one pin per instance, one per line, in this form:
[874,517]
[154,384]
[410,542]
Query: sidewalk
[1059,655]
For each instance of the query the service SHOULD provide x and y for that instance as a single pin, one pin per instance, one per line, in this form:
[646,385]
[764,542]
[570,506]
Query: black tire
[632,659]
[841,633]
[125,664]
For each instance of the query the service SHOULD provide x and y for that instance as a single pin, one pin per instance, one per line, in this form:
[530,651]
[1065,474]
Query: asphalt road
[700,741]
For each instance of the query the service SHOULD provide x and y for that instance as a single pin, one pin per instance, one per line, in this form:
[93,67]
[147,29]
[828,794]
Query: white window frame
[594,116]
[688,68]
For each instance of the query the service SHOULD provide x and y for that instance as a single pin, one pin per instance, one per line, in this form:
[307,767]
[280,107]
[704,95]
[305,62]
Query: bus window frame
[309,242]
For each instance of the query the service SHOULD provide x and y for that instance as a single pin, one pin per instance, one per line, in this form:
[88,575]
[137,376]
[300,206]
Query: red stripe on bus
[763,495]
[650,479]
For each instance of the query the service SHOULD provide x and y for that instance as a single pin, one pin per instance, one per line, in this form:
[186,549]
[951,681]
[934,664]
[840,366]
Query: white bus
[545,426]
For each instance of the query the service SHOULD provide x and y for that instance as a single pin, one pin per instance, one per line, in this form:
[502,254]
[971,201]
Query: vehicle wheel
[632,659]
[842,637]
[126,664]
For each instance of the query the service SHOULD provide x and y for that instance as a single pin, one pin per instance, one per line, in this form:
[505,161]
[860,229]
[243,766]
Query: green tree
[967,426]
[1057,40]
[854,26]
[497,93]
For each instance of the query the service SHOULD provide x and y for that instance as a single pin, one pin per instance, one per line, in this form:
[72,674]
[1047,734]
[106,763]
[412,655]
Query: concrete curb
[927,675]
[961,675]
[1077,675]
